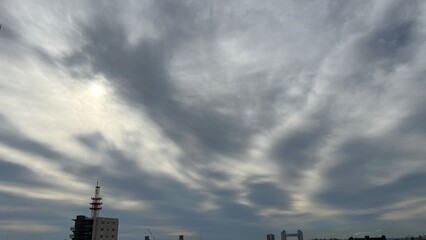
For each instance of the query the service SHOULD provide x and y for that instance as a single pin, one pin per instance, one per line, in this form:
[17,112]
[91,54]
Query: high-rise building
[95,227]
[299,235]
[283,235]
[270,236]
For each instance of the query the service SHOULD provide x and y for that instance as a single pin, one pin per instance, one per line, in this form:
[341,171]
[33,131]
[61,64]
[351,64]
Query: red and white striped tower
[96,204]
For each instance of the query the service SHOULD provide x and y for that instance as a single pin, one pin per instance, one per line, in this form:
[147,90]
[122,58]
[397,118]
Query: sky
[214,119]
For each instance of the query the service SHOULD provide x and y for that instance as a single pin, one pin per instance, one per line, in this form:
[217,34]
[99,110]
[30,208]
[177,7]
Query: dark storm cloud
[348,184]
[415,122]
[375,197]
[235,211]
[297,150]
[17,206]
[9,25]
[12,173]
[384,48]
[211,175]
[12,137]
[386,41]
[6,33]
[140,74]
[395,34]
[267,195]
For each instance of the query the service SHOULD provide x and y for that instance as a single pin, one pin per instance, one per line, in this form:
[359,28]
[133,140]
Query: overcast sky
[214,119]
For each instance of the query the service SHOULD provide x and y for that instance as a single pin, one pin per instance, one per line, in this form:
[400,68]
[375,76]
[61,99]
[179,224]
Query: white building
[105,228]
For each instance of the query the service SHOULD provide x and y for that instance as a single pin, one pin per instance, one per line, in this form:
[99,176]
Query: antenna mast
[151,234]
[96,204]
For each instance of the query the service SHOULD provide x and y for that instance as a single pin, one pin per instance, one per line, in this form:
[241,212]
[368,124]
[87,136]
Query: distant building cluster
[383,237]
[284,235]
[94,227]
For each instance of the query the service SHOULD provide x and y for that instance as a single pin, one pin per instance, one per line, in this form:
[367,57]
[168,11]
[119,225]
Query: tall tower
[96,204]
[283,235]
[95,228]
[299,235]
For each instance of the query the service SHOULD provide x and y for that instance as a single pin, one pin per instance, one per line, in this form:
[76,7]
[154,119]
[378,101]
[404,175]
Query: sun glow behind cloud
[97,89]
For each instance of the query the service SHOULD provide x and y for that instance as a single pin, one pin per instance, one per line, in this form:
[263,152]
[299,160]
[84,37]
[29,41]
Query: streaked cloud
[214,118]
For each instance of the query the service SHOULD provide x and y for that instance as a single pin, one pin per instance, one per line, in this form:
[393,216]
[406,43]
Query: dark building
[270,236]
[83,228]
[86,228]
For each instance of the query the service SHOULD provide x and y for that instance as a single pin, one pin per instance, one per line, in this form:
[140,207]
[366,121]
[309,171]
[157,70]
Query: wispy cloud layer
[227,119]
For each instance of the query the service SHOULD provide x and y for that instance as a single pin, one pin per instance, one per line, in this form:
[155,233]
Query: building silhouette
[94,227]
[270,236]
[383,237]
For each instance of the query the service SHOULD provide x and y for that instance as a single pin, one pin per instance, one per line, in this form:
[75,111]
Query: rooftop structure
[96,204]
[298,234]
[94,227]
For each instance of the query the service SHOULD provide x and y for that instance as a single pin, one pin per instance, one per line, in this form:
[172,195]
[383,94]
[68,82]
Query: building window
[113,229]
[112,236]
[102,229]
[101,236]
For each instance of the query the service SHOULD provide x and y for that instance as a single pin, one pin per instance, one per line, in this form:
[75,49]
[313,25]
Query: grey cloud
[28,208]
[174,202]
[348,185]
[167,196]
[235,211]
[141,77]
[267,195]
[373,197]
[391,41]
[12,173]
[342,12]
[389,44]
[93,141]
[380,47]
[8,33]
[386,41]
[122,173]
[291,41]
[213,174]
[296,150]
[415,122]
[12,137]
[384,48]
[9,24]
